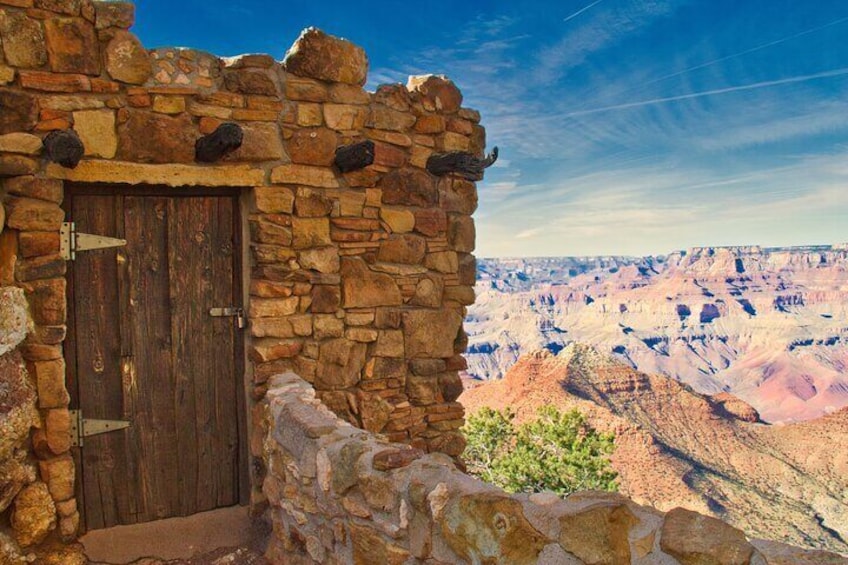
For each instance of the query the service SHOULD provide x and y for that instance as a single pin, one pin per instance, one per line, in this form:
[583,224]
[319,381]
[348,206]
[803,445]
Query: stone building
[200,256]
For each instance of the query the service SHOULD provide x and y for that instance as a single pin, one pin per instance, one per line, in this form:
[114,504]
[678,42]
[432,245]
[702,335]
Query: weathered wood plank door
[143,347]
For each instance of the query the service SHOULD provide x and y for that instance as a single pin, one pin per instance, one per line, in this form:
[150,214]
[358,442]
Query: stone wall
[358,281]
[341,495]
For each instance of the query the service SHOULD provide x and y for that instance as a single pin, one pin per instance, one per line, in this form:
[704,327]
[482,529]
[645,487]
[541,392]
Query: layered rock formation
[675,447]
[767,325]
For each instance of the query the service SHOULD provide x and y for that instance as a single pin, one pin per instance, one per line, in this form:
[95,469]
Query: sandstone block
[274,199]
[437,92]
[430,123]
[246,81]
[72,46]
[411,187]
[403,248]
[327,325]
[55,82]
[694,539]
[389,344]
[96,129]
[47,301]
[127,60]
[363,288]
[170,105]
[59,474]
[430,333]
[309,114]
[148,137]
[69,7]
[24,143]
[45,267]
[399,220]
[114,13]
[348,94]
[310,232]
[326,299]
[34,515]
[461,233]
[451,141]
[599,533]
[450,385]
[7,75]
[442,261]
[20,111]
[313,147]
[261,143]
[271,349]
[384,118]
[272,307]
[33,215]
[312,204]
[58,430]
[308,90]
[345,117]
[305,175]
[168,175]
[270,232]
[340,364]
[322,259]
[50,376]
[429,292]
[431,222]
[23,39]
[14,165]
[324,57]
[467,269]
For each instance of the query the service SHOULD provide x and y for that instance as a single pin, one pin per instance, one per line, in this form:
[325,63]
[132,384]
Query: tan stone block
[419,156]
[351,203]
[389,344]
[312,203]
[169,104]
[261,142]
[455,142]
[34,515]
[430,123]
[430,333]
[693,538]
[348,94]
[47,301]
[442,261]
[325,299]
[207,111]
[34,244]
[431,222]
[320,56]
[270,232]
[148,137]
[13,165]
[363,288]
[126,59]
[7,75]
[322,259]
[599,533]
[327,325]
[70,103]
[363,335]
[384,118]
[58,430]
[69,7]
[270,349]
[461,196]
[169,175]
[33,215]
[412,187]
[274,199]
[309,114]
[344,117]
[114,13]
[313,147]
[36,268]
[429,292]
[310,232]
[24,143]
[272,254]
[96,129]
[461,233]
[340,364]
[304,175]
[23,39]
[391,137]
[437,92]
[59,474]
[72,46]
[389,156]
[20,111]
[305,89]
[272,307]
[50,377]
[402,248]
[246,81]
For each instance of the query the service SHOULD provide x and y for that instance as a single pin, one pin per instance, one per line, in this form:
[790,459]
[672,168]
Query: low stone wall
[339,494]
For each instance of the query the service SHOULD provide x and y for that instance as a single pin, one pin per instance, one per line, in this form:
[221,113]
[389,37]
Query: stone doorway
[144,348]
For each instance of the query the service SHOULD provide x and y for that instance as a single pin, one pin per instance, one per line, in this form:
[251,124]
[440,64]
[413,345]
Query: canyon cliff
[768,325]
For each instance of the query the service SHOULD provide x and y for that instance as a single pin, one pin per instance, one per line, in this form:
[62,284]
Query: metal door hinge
[83,427]
[230,311]
[72,241]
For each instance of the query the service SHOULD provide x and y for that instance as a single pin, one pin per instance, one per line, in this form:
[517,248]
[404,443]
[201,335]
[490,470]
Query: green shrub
[558,451]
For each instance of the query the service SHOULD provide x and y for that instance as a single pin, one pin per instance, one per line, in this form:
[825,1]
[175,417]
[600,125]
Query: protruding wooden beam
[462,163]
[225,139]
[64,147]
[355,156]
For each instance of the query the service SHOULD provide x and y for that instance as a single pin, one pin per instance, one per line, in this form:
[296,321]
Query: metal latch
[231,311]
[84,427]
[72,241]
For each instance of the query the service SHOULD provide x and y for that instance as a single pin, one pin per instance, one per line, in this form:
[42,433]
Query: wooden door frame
[72,190]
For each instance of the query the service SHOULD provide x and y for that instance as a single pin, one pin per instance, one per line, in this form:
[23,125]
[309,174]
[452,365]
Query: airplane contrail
[754,86]
[581,10]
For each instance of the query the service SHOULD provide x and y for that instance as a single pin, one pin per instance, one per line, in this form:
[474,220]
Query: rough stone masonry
[358,281]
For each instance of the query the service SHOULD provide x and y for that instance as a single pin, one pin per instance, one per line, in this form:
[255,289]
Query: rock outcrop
[766,325]
[676,447]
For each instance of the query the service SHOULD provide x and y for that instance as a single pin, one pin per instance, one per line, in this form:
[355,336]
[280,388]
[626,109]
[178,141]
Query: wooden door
[143,347]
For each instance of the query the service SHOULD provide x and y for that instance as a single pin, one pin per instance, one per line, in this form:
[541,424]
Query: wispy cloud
[582,10]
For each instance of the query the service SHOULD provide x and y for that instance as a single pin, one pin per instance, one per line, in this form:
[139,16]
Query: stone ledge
[170,175]
[337,490]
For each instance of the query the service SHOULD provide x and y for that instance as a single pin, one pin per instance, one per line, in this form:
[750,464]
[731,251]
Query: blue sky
[625,126]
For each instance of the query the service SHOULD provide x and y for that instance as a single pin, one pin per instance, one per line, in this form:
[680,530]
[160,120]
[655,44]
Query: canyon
[767,325]
[678,448]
